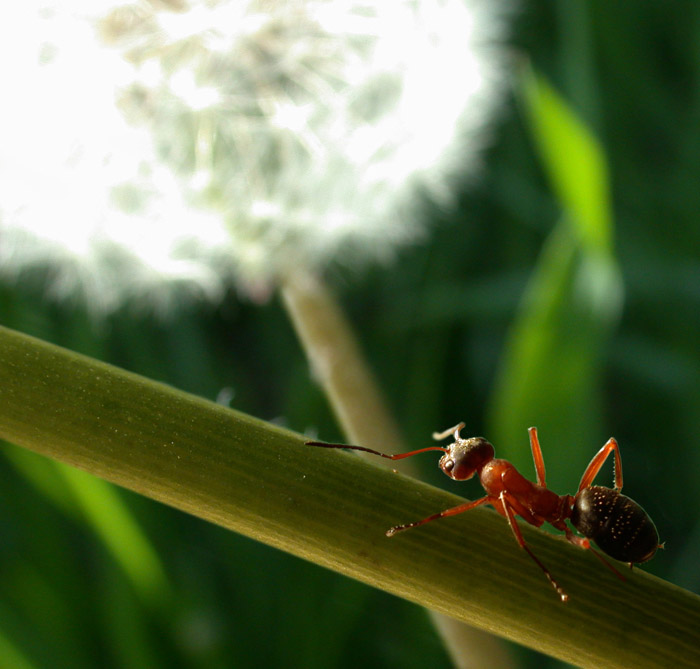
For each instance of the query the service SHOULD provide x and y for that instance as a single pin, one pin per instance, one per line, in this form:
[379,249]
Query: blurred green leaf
[81,495]
[12,656]
[115,525]
[550,371]
[575,164]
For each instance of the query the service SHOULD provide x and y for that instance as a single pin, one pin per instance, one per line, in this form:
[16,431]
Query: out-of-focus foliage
[435,327]
[550,366]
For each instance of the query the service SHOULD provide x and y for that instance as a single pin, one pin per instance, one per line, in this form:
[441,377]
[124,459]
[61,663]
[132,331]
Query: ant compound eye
[447,465]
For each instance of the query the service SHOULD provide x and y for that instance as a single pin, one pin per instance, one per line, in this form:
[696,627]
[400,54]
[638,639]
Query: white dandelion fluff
[147,145]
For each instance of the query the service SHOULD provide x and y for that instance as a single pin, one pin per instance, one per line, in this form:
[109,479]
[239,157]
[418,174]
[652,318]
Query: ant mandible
[617,524]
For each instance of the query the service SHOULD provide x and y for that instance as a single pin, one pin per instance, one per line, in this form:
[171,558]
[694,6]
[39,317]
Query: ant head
[465,457]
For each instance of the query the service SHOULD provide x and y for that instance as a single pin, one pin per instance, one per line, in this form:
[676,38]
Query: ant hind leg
[585,544]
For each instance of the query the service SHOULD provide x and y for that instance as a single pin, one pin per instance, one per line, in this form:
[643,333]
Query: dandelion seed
[186,143]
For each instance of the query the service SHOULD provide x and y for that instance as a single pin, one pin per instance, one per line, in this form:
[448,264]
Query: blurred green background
[498,320]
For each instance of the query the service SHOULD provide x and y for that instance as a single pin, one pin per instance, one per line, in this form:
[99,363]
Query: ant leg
[395,456]
[453,430]
[608,564]
[443,514]
[537,456]
[508,512]
[585,544]
[597,462]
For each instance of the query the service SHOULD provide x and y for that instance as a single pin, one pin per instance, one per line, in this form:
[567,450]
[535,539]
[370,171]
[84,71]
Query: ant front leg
[597,462]
[508,512]
[443,514]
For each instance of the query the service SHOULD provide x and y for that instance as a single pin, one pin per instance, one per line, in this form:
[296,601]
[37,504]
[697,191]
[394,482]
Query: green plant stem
[332,508]
[339,367]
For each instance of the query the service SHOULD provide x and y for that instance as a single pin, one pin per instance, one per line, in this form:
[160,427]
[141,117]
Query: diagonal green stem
[332,508]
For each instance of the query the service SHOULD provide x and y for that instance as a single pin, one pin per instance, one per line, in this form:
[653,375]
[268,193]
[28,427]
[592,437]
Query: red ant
[617,524]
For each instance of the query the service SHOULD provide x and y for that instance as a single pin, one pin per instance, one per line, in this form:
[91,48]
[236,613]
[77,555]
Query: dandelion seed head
[192,142]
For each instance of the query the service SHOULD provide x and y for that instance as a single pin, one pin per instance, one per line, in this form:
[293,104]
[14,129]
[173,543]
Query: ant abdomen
[619,526]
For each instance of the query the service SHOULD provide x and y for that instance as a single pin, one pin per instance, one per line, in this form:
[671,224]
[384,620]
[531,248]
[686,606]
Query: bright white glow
[259,134]
[195,97]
